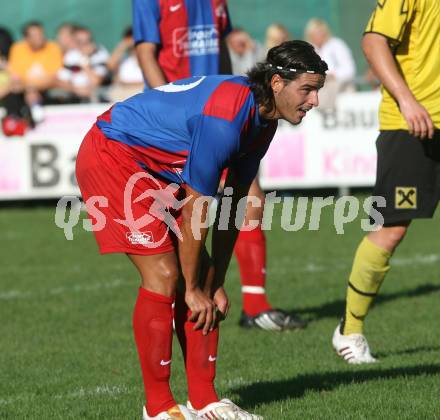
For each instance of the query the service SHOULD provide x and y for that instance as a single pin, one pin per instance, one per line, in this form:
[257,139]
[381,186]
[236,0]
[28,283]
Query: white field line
[100,390]
[110,390]
[233,382]
[287,265]
[284,267]
[75,288]
[103,390]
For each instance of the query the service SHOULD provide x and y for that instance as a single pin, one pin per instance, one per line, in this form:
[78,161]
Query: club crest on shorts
[139,238]
[405,198]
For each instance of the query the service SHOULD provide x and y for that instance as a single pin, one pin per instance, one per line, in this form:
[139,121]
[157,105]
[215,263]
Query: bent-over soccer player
[157,158]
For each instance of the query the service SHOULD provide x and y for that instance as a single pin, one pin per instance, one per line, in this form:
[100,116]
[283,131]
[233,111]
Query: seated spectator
[6,42]
[5,45]
[244,51]
[127,75]
[276,34]
[34,62]
[336,53]
[66,37]
[85,68]
[17,118]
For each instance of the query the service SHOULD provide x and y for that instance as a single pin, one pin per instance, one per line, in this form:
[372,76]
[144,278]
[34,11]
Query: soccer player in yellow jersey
[402,45]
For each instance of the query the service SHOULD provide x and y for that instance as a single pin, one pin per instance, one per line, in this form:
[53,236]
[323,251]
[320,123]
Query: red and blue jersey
[188,131]
[188,33]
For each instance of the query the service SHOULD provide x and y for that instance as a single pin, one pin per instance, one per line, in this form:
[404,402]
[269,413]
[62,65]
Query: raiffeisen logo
[195,40]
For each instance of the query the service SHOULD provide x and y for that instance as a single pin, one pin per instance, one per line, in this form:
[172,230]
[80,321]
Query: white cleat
[178,412]
[224,410]
[353,348]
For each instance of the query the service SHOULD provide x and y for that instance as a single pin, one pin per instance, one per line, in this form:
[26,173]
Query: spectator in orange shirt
[34,61]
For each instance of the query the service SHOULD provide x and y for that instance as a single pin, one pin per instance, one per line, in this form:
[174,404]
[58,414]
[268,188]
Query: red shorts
[111,184]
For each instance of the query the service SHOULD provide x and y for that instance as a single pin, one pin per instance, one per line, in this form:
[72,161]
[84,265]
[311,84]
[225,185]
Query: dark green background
[108,18]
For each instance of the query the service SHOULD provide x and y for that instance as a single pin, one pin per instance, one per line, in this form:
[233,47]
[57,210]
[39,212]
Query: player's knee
[393,235]
[255,204]
[253,212]
[255,190]
[168,274]
[161,278]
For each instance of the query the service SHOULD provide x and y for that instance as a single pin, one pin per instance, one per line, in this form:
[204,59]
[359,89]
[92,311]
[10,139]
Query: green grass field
[67,352]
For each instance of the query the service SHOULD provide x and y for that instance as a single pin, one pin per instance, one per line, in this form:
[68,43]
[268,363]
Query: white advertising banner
[41,164]
[332,149]
[328,149]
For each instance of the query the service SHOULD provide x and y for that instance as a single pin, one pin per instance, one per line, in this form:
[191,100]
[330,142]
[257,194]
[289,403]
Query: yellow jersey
[413,30]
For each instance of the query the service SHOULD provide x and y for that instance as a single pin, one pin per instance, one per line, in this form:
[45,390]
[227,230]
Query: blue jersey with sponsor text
[188,34]
[190,130]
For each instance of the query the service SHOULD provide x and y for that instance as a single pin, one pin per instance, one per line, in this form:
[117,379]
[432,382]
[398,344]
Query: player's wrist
[404,97]
[192,288]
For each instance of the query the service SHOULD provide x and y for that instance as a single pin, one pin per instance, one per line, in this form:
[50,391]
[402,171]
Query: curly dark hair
[298,55]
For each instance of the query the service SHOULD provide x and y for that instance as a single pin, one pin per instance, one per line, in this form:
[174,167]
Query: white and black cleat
[272,320]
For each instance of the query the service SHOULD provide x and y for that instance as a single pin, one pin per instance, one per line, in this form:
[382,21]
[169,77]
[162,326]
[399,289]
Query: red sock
[250,250]
[200,354]
[153,333]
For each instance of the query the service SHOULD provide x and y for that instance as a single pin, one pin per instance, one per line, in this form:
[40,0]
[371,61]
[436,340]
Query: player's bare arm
[378,53]
[224,240]
[147,57]
[190,252]
[212,290]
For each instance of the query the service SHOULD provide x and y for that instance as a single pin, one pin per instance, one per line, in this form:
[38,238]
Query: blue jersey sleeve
[146,18]
[215,142]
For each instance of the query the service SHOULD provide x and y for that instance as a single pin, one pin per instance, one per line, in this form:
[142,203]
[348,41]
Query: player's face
[294,98]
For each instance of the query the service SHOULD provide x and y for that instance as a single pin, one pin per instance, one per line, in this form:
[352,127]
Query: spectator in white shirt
[336,53]
[85,67]
[127,74]
[245,52]
[66,36]
[276,34]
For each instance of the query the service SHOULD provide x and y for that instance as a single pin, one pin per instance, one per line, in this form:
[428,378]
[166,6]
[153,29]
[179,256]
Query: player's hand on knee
[222,304]
[202,309]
